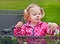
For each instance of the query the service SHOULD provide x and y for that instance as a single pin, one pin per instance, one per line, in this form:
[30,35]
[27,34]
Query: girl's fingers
[19,24]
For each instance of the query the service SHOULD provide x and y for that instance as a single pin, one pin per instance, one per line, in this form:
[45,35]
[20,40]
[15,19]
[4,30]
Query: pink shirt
[41,29]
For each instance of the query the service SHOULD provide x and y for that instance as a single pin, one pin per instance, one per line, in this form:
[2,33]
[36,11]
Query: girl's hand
[19,24]
[52,26]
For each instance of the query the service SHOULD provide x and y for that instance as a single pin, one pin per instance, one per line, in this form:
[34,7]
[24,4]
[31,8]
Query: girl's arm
[19,29]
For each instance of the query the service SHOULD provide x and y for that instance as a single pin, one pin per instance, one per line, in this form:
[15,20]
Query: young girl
[34,26]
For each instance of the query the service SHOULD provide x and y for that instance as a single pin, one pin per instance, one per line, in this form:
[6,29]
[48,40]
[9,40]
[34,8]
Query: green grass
[51,7]
[21,4]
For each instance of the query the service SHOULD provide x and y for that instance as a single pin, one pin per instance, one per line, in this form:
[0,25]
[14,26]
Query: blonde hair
[26,11]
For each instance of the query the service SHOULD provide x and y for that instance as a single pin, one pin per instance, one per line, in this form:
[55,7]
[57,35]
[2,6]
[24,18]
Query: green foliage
[8,40]
[14,40]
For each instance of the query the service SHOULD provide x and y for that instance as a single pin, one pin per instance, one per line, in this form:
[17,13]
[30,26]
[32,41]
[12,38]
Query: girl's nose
[37,15]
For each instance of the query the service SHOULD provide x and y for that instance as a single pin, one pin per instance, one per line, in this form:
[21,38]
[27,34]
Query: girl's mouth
[37,19]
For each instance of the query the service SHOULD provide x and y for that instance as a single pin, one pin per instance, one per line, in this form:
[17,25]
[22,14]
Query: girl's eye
[33,14]
[38,13]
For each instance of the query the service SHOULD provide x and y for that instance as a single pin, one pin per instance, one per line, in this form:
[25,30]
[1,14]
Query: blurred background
[51,7]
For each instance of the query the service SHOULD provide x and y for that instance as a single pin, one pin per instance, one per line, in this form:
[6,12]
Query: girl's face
[35,14]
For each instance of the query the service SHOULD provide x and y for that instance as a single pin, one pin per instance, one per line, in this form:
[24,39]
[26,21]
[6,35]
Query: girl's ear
[42,12]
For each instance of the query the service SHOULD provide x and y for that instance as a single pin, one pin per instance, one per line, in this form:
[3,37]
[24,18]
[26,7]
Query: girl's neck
[33,23]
